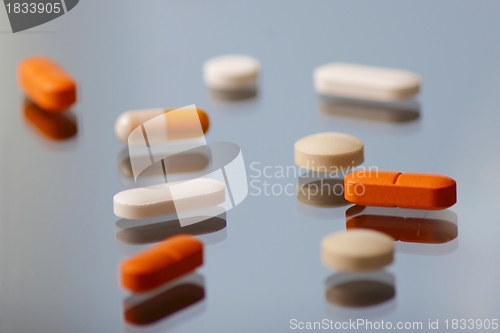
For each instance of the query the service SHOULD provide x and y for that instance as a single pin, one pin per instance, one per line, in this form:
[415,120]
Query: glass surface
[59,251]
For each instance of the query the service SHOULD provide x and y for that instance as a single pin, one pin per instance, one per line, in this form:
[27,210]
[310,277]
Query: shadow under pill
[167,306]
[399,117]
[148,231]
[360,294]
[188,164]
[327,192]
[428,232]
[232,96]
[55,126]
[178,164]
[386,112]
[320,196]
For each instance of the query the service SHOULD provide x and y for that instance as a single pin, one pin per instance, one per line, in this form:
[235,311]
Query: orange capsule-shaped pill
[396,189]
[172,258]
[180,126]
[46,84]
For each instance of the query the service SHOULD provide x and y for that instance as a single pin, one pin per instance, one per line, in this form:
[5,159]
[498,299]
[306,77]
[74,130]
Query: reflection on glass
[400,118]
[320,196]
[360,290]
[387,112]
[326,192]
[137,232]
[232,96]
[226,165]
[57,126]
[185,165]
[226,159]
[167,306]
[406,225]
[409,226]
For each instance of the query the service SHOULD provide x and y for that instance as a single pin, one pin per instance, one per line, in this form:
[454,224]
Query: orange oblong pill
[396,189]
[162,263]
[47,84]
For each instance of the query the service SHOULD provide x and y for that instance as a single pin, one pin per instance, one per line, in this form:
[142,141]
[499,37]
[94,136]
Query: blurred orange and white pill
[171,124]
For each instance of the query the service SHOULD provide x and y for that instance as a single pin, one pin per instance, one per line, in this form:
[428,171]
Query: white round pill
[359,250]
[231,72]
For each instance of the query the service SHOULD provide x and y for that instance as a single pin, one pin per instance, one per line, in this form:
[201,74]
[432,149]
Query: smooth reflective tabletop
[60,243]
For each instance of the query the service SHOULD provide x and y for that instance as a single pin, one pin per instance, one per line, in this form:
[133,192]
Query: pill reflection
[325,192]
[362,290]
[320,196]
[232,96]
[51,125]
[138,232]
[385,112]
[190,161]
[405,225]
[184,165]
[167,302]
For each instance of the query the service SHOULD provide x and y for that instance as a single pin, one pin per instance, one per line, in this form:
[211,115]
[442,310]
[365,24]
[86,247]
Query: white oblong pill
[357,250]
[231,72]
[365,82]
[324,152]
[152,201]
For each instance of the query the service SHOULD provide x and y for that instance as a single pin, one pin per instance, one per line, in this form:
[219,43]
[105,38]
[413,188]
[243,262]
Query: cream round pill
[357,250]
[365,82]
[231,72]
[323,152]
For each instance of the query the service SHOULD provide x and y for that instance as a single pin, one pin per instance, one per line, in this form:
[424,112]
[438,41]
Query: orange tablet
[46,84]
[172,258]
[396,189]
[55,126]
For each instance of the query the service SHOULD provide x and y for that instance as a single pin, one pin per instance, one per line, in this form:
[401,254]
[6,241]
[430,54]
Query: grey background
[58,252]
